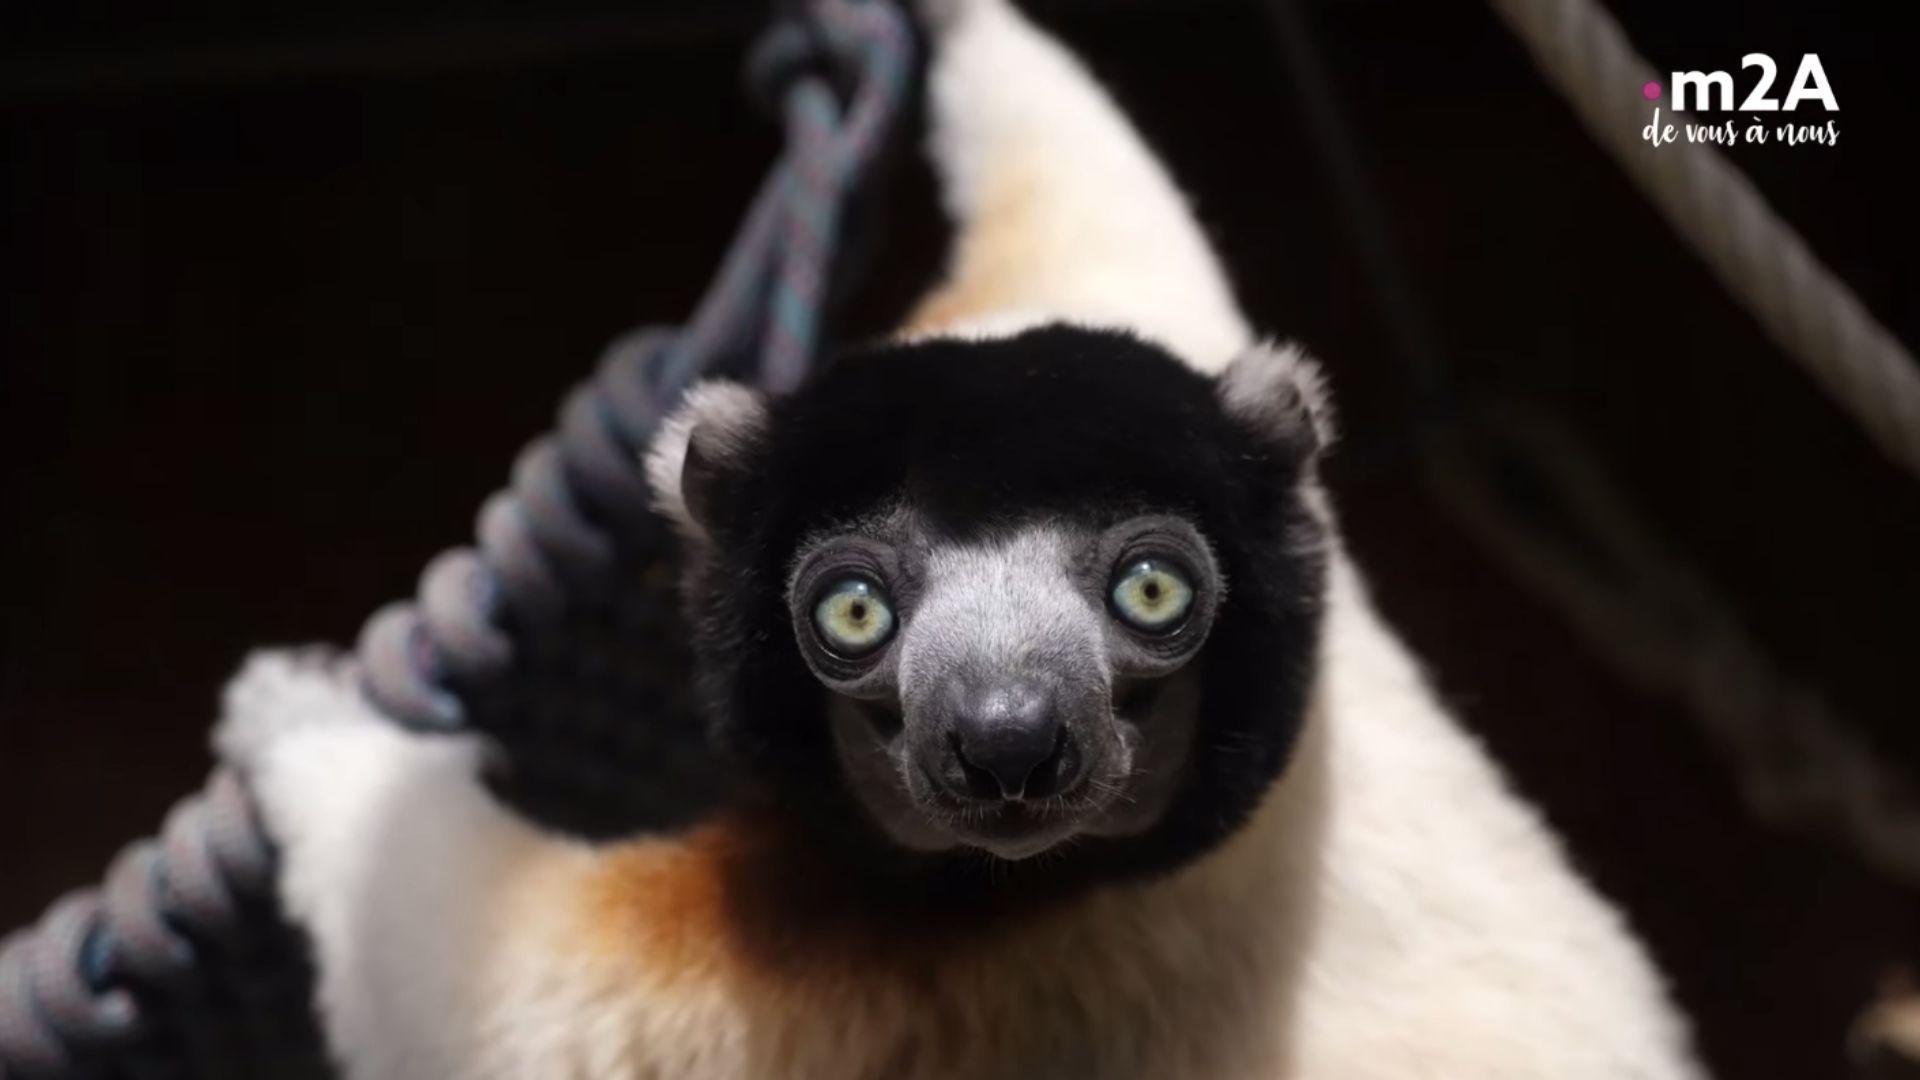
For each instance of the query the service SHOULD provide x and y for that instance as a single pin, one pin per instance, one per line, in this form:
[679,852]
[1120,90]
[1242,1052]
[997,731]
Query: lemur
[1078,748]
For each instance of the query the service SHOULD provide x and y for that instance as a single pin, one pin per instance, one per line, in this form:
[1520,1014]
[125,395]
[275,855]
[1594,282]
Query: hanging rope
[1796,762]
[171,965]
[184,929]
[1808,311]
[1659,623]
[1542,506]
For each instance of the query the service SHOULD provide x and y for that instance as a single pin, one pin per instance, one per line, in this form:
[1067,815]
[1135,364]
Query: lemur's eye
[853,617]
[1151,595]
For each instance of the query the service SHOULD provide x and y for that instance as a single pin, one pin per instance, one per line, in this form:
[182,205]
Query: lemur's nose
[1010,743]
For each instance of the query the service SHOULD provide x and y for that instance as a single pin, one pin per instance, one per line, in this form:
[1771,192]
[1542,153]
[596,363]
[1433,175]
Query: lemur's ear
[1276,390]
[704,448]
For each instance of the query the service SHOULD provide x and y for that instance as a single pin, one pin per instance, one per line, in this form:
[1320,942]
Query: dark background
[285,290]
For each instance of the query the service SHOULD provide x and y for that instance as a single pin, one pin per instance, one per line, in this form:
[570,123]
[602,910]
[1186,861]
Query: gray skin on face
[1012,708]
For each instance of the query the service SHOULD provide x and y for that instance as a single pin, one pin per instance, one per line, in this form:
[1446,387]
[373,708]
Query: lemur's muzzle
[1007,735]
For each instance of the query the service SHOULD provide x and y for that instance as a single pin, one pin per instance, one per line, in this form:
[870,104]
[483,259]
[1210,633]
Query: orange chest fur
[1150,981]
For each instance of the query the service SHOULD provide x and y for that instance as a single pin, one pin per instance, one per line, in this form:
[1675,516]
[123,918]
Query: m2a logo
[1712,91]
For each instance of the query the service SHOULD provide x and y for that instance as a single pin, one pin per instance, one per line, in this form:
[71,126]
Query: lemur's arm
[1063,212]
[393,857]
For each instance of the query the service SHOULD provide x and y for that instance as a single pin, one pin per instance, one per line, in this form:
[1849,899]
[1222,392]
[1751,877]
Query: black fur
[978,436]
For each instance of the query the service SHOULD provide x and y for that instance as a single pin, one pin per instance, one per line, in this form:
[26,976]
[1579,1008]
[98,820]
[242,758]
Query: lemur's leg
[1063,213]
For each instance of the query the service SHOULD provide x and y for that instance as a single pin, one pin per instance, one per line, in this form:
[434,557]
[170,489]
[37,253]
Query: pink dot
[1651,91]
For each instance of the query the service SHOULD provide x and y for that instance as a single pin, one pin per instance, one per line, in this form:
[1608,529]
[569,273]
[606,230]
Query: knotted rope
[179,958]
[1808,311]
[182,963]
[579,495]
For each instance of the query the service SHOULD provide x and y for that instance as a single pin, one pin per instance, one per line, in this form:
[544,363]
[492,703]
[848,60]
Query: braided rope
[125,975]
[1806,309]
[79,987]
[578,501]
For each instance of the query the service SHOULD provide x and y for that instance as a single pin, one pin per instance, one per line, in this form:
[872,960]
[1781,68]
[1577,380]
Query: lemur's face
[1012,689]
[1054,592]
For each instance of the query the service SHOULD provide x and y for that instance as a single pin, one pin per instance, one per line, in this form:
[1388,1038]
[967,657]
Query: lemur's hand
[280,693]
[315,751]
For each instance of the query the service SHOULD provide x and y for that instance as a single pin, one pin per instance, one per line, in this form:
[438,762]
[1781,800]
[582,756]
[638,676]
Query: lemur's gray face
[999,595]
[1014,690]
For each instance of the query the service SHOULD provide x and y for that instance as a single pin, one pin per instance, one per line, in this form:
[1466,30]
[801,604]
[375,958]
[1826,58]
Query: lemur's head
[1049,593]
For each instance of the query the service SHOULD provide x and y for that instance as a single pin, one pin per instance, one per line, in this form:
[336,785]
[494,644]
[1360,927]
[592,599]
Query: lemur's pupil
[1152,590]
[858,612]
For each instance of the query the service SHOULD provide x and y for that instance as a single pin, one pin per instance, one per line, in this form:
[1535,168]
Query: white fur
[1392,911]
[1095,230]
[1277,387]
[1890,1029]
[1453,939]
[395,860]
[727,413]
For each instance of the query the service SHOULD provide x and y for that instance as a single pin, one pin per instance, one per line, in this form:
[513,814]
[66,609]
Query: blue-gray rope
[578,494]
[126,974]
[124,979]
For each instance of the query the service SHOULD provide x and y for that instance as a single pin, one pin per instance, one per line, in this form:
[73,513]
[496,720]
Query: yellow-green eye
[1152,596]
[853,617]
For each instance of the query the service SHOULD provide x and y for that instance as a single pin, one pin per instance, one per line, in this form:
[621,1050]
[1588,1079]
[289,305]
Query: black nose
[1010,743]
